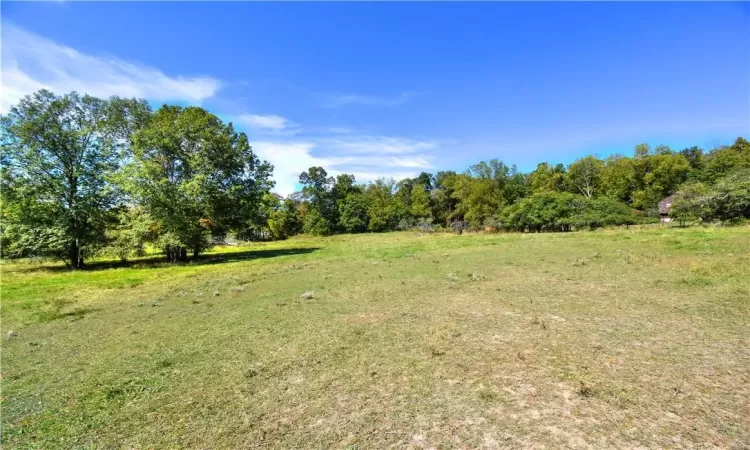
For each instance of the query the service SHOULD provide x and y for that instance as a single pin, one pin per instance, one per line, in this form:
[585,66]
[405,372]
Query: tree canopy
[82,175]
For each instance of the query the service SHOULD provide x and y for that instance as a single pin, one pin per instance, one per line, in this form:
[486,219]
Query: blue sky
[391,89]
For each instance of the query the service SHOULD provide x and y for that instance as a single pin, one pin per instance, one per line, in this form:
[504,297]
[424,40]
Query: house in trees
[664,207]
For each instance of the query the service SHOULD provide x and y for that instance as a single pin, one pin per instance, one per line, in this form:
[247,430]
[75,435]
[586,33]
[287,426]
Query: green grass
[607,339]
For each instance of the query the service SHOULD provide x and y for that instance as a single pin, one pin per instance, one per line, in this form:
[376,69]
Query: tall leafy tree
[196,177]
[724,160]
[585,175]
[731,198]
[420,202]
[546,178]
[384,209]
[696,160]
[320,217]
[353,209]
[283,218]
[658,175]
[59,153]
[618,180]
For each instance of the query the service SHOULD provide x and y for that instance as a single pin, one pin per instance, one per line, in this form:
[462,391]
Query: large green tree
[321,214]
[546,178]
[196,177]
[58,155]
[585,176]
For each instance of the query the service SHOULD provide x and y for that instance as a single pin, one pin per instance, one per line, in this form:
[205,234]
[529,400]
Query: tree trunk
[175,253]
[75,256]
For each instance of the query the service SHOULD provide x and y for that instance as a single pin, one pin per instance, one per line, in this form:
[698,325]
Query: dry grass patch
[521,348]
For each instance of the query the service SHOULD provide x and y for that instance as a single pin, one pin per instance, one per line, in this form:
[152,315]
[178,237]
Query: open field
[608,339]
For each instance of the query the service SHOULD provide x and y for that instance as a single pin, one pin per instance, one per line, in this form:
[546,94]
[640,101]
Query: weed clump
[474,276]
[436,352]
[539,322]
[586,391]
[488,395]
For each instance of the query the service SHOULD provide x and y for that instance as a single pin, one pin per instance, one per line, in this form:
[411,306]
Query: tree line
[83,176]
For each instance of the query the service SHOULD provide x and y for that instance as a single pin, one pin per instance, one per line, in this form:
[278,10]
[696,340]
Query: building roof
[665,205]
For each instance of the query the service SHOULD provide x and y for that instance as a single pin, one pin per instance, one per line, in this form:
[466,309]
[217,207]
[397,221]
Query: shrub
[562,211]
[425,226]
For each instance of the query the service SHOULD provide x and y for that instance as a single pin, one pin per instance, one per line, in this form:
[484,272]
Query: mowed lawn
[607,339]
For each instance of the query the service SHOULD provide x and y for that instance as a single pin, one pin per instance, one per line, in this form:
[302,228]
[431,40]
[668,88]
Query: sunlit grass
[607,339]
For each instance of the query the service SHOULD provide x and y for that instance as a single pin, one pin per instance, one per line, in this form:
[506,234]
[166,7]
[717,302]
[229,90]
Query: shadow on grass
[152,262]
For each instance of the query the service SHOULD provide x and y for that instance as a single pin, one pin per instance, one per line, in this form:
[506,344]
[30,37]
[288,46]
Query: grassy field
[608,339]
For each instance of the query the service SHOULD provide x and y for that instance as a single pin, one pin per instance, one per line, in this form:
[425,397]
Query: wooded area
[83,176]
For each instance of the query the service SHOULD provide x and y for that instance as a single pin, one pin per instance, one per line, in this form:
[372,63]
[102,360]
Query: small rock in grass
[216,293]
[308,295]
[12,334]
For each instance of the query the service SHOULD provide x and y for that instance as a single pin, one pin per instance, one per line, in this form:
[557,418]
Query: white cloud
[338,100]
[366,157]
[272,122]
[379,145]
[31,62]
[289,159]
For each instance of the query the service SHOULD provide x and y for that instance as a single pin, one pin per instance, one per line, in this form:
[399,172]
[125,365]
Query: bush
[731,197]
[458,226]
[405,224]
[425,226]
[562,211]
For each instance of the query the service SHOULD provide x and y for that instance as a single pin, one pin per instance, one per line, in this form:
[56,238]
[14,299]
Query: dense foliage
[81,175]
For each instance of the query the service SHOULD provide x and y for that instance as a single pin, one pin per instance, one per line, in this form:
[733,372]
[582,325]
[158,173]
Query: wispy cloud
[272,122]
[31,62]
[366,157]
[338,100]
[379,145]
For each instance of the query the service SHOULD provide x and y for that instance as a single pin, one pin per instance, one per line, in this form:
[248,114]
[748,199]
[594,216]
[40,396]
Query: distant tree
[547,178]
[657,176]
[58,156]
[321,215]
[642,151]
[731,197]
[384,210]
[585,175]
[516,186]
[441,198]
[692,202]
[196,177]
[478,199]
[426,180]
[353,216]
[618,178]
[696,160]
[565,211]
[134,229]
[722,161]
[420,202]
[541,212]
[284,219]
